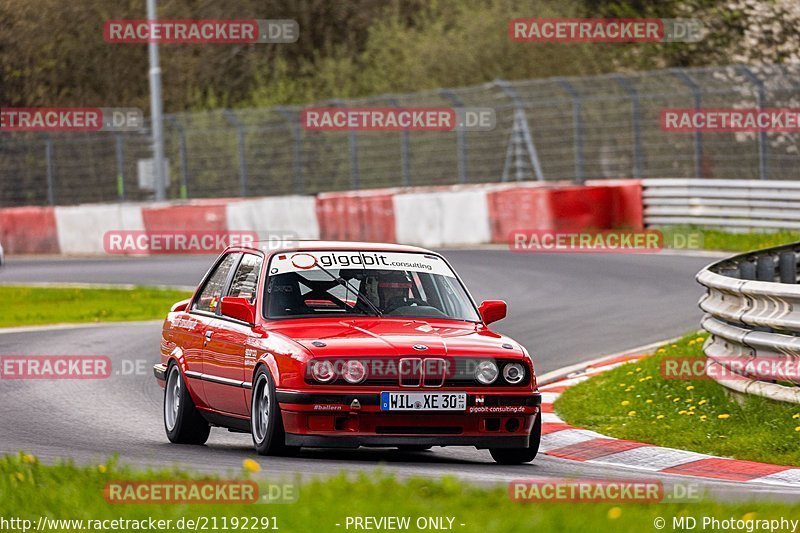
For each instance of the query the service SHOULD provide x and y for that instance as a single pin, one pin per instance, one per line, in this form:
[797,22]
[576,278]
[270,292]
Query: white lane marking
[566,437]
[787,477]
[551,418]
[550,397]
[651,458]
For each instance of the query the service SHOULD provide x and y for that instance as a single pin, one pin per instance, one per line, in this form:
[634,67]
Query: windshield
[325,282]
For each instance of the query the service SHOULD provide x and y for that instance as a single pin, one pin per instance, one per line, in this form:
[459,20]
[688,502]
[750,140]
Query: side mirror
[179,307]
[238,308]
[492,310]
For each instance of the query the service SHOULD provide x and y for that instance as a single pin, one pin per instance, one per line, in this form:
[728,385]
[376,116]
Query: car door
[226,349]
[203,311]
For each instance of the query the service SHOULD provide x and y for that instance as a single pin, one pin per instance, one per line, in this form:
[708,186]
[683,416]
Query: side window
[212,292]
[245,280]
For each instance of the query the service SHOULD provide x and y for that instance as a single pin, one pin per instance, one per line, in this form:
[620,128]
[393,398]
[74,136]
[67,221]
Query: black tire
[269,438]
[188,425]
[413,448]
[516,456]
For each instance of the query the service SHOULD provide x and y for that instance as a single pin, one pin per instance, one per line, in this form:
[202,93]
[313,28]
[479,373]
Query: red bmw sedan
[334,344]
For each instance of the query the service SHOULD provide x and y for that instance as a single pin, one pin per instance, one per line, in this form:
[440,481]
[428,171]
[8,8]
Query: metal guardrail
[753,313]
[730,204]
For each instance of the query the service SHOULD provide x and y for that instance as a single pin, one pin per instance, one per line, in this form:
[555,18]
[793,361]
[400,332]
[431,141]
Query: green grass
[66,492]
[712,239]
[634,402]
[28,306]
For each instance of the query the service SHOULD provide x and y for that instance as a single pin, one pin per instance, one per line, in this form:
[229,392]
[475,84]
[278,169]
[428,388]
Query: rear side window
[245,280]
[212,291]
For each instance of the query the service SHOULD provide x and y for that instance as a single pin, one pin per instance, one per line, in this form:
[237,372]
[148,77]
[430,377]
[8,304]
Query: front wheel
[182,420]
[515,456]
[266,425]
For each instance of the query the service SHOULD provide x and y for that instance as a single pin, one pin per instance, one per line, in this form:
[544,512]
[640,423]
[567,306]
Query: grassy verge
[711,239]
[634,402]
[28,306]
[66,492]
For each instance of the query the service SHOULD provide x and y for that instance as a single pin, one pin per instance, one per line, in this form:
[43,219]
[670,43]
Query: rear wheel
[266,425]
[515,456]
[182,420]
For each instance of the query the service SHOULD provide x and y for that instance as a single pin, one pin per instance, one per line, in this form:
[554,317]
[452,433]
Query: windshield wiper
[359,297]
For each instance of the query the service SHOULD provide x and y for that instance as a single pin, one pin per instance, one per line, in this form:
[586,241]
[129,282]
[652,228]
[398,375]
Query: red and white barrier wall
[430,216]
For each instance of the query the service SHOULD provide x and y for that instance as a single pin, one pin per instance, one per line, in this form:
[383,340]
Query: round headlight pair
[353,372]
[487,372]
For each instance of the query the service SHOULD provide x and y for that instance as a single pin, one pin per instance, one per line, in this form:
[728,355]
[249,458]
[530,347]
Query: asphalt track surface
[565,308]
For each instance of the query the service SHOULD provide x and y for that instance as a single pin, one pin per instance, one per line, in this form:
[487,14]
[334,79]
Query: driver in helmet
[394,290]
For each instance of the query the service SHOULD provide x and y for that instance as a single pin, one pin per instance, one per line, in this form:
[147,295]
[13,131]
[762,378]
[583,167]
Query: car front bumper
[496,420]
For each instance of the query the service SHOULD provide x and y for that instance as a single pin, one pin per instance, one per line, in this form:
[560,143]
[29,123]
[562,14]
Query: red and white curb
[562,440]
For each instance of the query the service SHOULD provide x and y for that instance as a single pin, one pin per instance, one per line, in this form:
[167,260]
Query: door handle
[209,334]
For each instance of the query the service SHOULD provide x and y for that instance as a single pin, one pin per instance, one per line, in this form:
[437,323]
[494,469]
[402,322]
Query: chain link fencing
[551,129]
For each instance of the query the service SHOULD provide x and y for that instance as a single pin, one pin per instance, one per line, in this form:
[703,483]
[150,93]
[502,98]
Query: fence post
[636,126]
[577,127]
[461,140]
[788,267]
[298,179]
[51,186]
[236,123]
[182,155]
[120,152]
[763,163]
[697,97]
[405,149]
[521,130]
[352,137]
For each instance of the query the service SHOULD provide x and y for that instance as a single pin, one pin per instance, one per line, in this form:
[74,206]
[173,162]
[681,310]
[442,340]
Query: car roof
[271,247]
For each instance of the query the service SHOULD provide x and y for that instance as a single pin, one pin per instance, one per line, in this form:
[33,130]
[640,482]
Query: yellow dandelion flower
[796,415]
[699,339]
[659,417]
[630,373]
[661,350]
[631,413]
[614,513]
[625,402]
[691,343]
[682,412]
[648,401]
[703,418]
[676,399]
[689,400]
[27,458]
[251,466]
[690,387]
[102,468]
[674,345]
[797,428]
[723,416]
[749,517]
[638,369]
[702,402]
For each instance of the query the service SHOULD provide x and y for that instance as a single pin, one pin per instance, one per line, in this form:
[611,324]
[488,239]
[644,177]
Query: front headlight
[514,373]
[486,372]
[323,371]
[354,372]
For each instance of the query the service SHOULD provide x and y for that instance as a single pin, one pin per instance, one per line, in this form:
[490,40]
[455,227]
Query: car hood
[395,337]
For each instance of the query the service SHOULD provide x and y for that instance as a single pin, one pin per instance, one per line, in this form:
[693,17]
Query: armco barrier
[81,228]
[598,205]
[752,303]
[357,216]
[735,204]
[29,230]
[426,216]
[288,216]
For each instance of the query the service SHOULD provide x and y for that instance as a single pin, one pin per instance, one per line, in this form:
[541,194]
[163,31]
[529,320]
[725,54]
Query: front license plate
[423,401]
